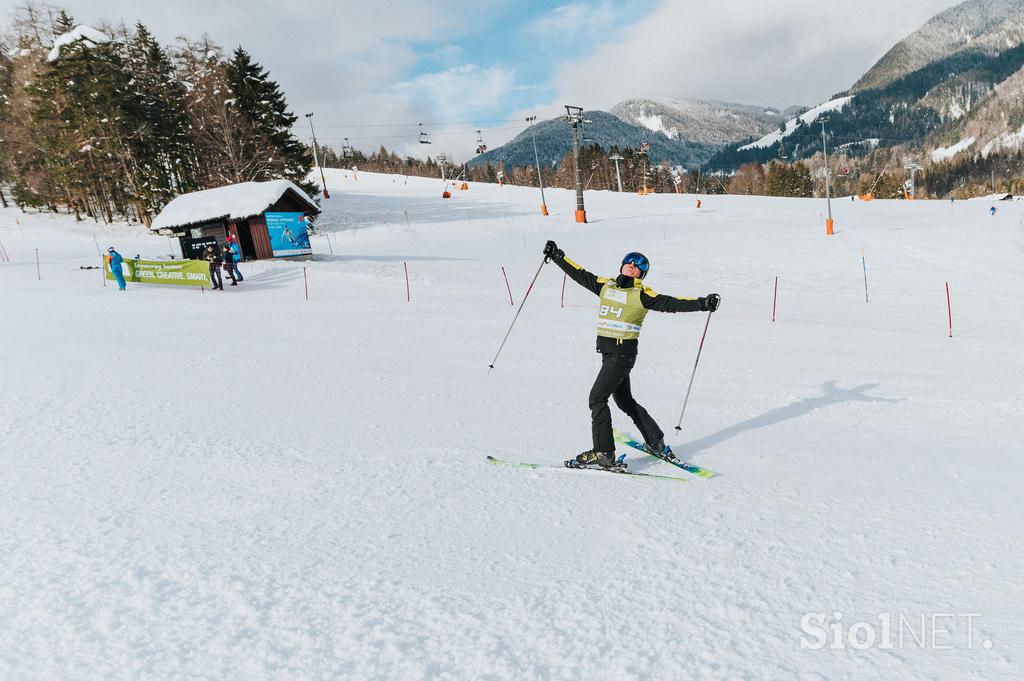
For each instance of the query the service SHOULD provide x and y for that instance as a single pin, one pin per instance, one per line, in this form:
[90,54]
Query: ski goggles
[637,259]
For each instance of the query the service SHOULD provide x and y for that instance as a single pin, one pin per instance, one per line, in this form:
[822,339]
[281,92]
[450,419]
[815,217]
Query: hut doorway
[245,241]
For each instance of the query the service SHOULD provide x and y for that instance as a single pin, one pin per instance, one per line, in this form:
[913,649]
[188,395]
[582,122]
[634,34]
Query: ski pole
[679,426]
[525,296]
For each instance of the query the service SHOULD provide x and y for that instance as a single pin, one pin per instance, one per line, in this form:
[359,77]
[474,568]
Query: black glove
[710,303]
[552,251]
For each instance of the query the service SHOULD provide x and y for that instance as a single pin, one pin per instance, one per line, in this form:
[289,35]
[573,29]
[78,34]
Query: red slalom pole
[507,286]
[679,426]
[408,293]
[949,309]
[564,277]
[305,282]
[775,298]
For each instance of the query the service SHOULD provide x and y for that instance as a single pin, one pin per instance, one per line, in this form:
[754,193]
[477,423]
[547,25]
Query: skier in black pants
[625,302]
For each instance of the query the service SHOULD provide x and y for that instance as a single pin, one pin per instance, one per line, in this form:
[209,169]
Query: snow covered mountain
[953,86]
[696,120]
[994,125]
[988,26]
[554,141]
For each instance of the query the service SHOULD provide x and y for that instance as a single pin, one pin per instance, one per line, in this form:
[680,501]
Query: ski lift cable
[413,135]
[410,125]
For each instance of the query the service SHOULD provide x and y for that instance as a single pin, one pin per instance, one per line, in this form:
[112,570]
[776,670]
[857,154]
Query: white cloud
[777,53]
[459,91]
[341,60]
[567,21]
[349,61]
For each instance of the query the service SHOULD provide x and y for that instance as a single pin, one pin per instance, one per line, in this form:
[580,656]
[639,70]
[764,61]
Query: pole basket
[828,226]
[543,209]
[327,194]
[464,186]
[698,203]
[581,216]
[446,194]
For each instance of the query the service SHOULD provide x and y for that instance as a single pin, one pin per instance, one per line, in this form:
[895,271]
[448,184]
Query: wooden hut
[268,219]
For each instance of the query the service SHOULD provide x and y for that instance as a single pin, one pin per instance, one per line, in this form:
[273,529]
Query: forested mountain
[554,140]
[947,98]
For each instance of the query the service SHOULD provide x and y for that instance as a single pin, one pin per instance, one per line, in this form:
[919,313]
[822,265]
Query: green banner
[181,272]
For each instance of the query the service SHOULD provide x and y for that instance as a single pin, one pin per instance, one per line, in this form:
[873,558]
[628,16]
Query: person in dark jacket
[212,256]
[229,263]
[625,301]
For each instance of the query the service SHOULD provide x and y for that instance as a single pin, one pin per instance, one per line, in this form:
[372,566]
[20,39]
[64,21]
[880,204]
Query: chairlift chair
[480,146]
[424,137]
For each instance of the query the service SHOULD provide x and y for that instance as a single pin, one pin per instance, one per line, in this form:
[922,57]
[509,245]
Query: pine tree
[162,149]
[228,147]
[77,100]
[261,102]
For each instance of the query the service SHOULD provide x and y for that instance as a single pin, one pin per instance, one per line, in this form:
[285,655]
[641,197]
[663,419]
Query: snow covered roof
[88,35]
[233,202]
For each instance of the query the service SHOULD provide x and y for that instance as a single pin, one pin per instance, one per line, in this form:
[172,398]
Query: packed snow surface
[235,202]
[806,118]
[946,153]
[249,485]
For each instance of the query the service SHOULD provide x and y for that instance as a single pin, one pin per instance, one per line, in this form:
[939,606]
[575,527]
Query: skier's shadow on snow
[831,395]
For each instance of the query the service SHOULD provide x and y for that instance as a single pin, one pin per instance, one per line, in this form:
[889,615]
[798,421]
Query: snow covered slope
[249,485]
[806,118]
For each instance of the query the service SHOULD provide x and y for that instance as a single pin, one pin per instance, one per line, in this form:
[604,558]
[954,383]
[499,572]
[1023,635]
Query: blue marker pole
[864,264]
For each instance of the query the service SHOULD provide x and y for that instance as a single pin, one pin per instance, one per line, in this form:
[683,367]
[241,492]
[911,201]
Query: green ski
[688,467]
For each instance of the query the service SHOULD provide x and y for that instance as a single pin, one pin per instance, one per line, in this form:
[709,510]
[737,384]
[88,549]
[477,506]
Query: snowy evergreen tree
[164,158]
[261,102]
[78,99]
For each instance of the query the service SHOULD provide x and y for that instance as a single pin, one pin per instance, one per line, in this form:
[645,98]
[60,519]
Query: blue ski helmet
[638,259]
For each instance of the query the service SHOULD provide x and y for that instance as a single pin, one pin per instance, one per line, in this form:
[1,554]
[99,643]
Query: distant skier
[115,267]
[992,211]
[625,302]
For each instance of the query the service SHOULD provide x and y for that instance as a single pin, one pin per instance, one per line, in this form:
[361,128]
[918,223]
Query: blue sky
[528,39]
[370,70]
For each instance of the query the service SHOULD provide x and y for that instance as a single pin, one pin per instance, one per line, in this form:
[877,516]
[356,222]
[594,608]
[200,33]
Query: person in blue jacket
[238,255]
[115,267]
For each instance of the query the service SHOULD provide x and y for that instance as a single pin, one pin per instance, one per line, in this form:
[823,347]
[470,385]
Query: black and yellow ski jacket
[625,302]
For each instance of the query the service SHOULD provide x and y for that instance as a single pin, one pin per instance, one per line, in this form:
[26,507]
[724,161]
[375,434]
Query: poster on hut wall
[289,234]
[180,272]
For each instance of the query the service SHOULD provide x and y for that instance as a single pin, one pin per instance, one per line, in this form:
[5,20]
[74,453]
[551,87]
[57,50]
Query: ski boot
[591,458]
[660,449]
